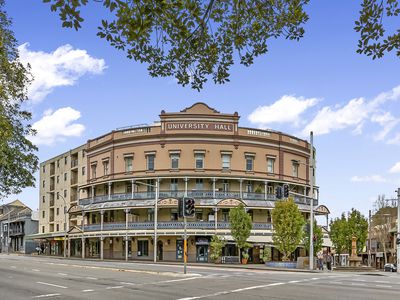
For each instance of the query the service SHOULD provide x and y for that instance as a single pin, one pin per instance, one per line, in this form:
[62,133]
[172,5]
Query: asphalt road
[25,277]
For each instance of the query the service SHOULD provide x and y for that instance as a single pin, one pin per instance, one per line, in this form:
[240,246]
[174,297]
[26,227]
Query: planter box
[282,264]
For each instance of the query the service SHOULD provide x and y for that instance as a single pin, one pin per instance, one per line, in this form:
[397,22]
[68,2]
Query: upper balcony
[205,194]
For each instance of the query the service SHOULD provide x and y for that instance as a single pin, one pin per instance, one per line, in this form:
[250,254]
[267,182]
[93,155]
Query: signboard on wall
[207,126]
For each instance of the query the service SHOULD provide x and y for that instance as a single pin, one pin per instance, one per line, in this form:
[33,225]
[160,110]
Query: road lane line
[114,287]
[14,267]
[91,278]
[62,274]
[35,270]
[383,285]
[358,284]
[233,291]
[381,281]
[50,284]
[47,295]
[86,291]
[294,281]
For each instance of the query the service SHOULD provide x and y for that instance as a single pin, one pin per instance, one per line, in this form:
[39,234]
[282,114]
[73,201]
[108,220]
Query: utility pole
[155,222]
[398,231]
[311,195]
[369,238]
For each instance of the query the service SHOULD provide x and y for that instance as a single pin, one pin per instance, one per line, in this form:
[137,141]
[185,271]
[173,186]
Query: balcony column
[82,238]
[126,233]
[133,187]
[214,180]
[265,190]
[83,248]
[109,190]
[241,188]
[101,233]
[216,218]
[69,248]
[186,186]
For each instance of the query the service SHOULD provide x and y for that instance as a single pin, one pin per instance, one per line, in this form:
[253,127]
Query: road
[33,277]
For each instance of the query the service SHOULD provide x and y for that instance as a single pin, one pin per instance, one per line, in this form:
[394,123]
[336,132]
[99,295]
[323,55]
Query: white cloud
[63,67]
[395,168]
[395,140]
[368,178]
[286,110]
[56,126]
[354,114]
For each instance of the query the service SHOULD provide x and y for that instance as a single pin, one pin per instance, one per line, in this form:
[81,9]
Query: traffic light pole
[398,231]
[184,245]
[311,251]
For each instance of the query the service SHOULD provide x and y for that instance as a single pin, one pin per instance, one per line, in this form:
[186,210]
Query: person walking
[329,262]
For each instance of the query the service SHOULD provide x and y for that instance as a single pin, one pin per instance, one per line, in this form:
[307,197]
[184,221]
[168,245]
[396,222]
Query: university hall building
[120,190]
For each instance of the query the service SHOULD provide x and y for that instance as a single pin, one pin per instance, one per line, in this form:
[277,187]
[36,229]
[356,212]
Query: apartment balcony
[15,232]
[207,194]
[51,219]
[74,163]
[169,225]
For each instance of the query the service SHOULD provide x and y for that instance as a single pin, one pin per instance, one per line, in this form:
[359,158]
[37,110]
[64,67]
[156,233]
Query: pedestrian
[329,262]
[38,249]
[320,264]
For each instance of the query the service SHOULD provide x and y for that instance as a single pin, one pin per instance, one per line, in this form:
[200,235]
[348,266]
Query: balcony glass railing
[169,225]
[219,195]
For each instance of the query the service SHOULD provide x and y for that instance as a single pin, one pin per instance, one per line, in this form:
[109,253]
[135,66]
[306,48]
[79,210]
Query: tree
[318,238]
[374,39]
[288,224]
[18,161]
[192,39]
[216,245]
[241,225]
[383,219]
[343,229]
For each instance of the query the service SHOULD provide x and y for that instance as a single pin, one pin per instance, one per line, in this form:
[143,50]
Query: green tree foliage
[241,225]
[17,159]
[318,234]
[288,224]
[192,39]
[374,37]
[216,245]
[343,229]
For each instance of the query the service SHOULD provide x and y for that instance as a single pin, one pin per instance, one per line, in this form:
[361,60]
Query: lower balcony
[169,225]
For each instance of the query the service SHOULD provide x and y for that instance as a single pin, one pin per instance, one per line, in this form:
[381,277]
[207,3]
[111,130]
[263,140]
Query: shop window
[142,248]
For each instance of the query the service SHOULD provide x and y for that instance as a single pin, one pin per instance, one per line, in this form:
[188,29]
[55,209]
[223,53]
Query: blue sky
[85,88]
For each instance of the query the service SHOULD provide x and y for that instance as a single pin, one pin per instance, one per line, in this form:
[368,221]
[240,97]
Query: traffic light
[285,191]
[188,207]
[180,207]
[278,192]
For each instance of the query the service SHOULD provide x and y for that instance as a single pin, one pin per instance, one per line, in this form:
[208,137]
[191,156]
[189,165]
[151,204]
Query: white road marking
[114,287]
[35,270]
[359,280]
[86,291]
[91,278]
[47,295]
[383,285]
[233,291]
[380,281]
[359,284]
[50,284]
[294,281]
[62,274]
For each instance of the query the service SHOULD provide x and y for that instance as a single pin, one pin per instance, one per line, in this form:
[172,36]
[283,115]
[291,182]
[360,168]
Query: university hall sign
[211,126]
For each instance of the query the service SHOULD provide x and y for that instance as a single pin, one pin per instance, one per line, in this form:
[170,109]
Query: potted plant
[267,253]
[245,257]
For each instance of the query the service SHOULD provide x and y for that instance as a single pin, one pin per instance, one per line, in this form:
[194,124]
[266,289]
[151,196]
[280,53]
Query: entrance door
[160,250]
[202,253]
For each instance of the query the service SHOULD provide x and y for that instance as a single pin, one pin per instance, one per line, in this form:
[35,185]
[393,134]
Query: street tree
[344,228]
[216,245]
[375,37]
[288,223]
[383,220]
[18,161]
[240,223]
[196,39]
[317,239]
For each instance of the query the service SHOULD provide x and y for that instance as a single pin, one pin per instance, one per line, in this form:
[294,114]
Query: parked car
[390,268]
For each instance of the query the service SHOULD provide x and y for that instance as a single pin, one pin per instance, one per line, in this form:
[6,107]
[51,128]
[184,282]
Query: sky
[84,88]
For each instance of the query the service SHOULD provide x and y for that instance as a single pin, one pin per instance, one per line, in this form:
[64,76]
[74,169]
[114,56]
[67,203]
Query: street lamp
[65,222]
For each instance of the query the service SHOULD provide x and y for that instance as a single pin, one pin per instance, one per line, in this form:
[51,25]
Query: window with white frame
[93,171]
[226,161]
[199,160]
[270,164]
[105,167]
[174,184]
[295,168]
[249,186]
[174,160]
[199,184]
[128,163]
[225,185]
[249,163]
[150,162]
[150,185]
